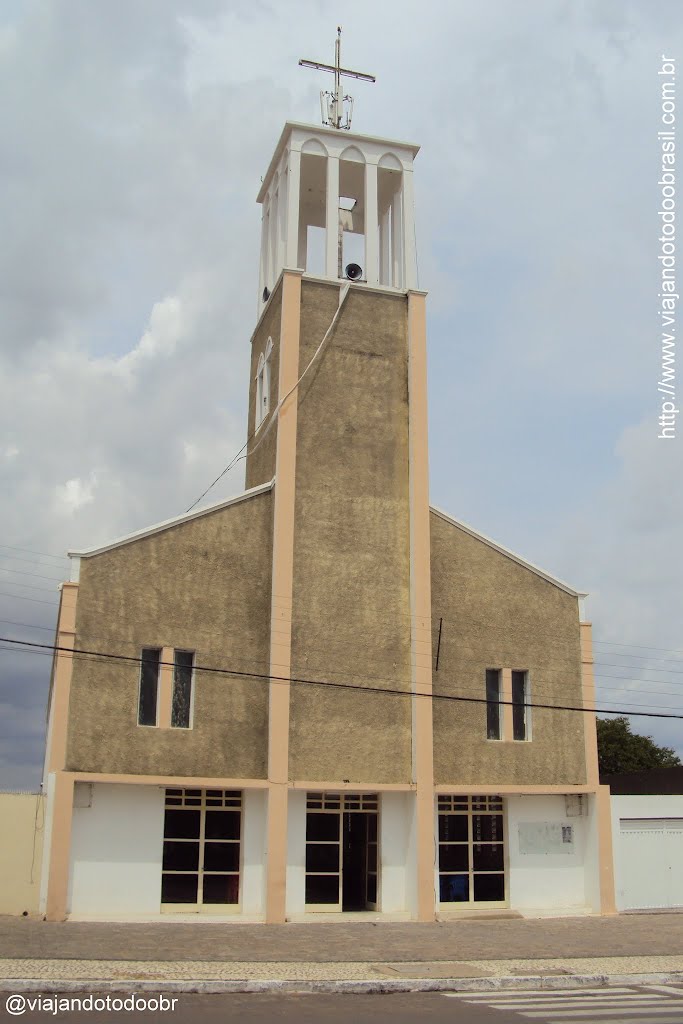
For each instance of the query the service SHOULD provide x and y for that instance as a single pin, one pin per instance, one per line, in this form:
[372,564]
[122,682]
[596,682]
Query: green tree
[620,750]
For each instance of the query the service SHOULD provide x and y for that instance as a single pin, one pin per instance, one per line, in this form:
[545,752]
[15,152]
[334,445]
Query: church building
[324,697]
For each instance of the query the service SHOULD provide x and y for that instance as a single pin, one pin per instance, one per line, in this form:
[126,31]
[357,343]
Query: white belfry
[337,206]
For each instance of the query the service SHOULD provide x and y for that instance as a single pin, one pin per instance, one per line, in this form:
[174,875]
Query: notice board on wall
[545,837]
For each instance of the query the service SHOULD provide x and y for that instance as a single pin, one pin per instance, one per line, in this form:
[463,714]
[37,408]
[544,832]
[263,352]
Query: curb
[378,986]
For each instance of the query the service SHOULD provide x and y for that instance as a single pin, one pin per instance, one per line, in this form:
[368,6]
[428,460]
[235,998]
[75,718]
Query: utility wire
[30,586]
[328,683]
[266,429]
[37,575]
[138,642]
[33,561]
[463,689]
[29,551]
[35,600]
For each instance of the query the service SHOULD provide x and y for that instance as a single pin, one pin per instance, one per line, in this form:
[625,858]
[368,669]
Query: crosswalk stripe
[666,1005]
[630,1020]
[524,992]
[556,1004]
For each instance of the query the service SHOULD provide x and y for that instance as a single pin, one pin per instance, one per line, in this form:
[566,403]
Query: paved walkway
[630,935]
[385,954]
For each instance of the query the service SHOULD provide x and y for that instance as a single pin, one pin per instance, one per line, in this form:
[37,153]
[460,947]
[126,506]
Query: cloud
[128,275]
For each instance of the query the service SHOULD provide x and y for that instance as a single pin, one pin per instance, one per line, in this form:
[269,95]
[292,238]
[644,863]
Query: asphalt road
[637,1005]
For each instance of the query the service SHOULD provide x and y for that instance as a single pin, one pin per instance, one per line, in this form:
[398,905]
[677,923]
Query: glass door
[371,863]
[323,853]
[471,851]
[342,852]
[201,856]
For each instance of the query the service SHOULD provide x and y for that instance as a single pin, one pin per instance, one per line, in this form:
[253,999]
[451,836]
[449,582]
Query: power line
[29,551]
[477,624]
[32,561]
[642,683]
[29,586]
[37,575]
[35,600]
[266,429]
[463,689]
[645,668]
[640,647]
[639,657]
[388,691]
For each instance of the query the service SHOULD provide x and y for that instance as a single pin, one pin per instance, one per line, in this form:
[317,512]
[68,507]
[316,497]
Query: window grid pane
[493,703]
[182,689]
[201,856]
[471,849]
[149,686]
[519,705]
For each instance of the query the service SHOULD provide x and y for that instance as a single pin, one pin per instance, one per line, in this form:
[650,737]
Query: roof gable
[508,554]
[168,524]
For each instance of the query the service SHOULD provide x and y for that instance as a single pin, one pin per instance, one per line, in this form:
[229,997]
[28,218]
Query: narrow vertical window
[263,385]
[520,705]
[266,379]
[260,390]
[493,703]
[149,686]
[181,706]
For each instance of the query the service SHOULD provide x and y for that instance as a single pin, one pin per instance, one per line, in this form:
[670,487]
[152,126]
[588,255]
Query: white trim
[313,131]
[167,524]
[510,554]
[379,289]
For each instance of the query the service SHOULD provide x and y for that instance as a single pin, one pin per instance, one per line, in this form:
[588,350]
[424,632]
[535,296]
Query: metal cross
[332,103]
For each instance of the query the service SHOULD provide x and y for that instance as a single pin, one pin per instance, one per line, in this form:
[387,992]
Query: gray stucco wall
[204,586]
[499,614]
[351,618]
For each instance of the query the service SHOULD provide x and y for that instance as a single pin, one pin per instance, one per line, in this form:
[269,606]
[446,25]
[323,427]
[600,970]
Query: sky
[134,137]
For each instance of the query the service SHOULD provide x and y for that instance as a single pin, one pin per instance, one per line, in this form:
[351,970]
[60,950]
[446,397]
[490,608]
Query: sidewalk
[213,956]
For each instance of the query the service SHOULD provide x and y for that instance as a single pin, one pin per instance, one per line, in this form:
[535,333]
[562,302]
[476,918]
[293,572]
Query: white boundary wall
[21,843]
[647,860]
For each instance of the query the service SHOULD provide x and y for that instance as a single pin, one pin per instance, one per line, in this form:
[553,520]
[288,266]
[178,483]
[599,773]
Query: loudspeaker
[266,294]
[353,272]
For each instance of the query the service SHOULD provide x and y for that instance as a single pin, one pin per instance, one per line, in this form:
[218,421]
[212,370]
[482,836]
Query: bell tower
[338,420]
[333,200]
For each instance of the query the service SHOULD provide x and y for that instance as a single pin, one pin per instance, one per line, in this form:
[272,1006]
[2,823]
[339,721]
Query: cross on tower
[332,103]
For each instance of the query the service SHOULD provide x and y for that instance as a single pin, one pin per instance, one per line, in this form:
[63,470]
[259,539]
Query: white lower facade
[647,837]
[143,851]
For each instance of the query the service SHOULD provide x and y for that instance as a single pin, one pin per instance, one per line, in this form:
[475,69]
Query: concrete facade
[204,586]
[310,604]
[351,604]
[496,614]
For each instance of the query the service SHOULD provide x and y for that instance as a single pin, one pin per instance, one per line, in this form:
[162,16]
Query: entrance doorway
[342,852]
